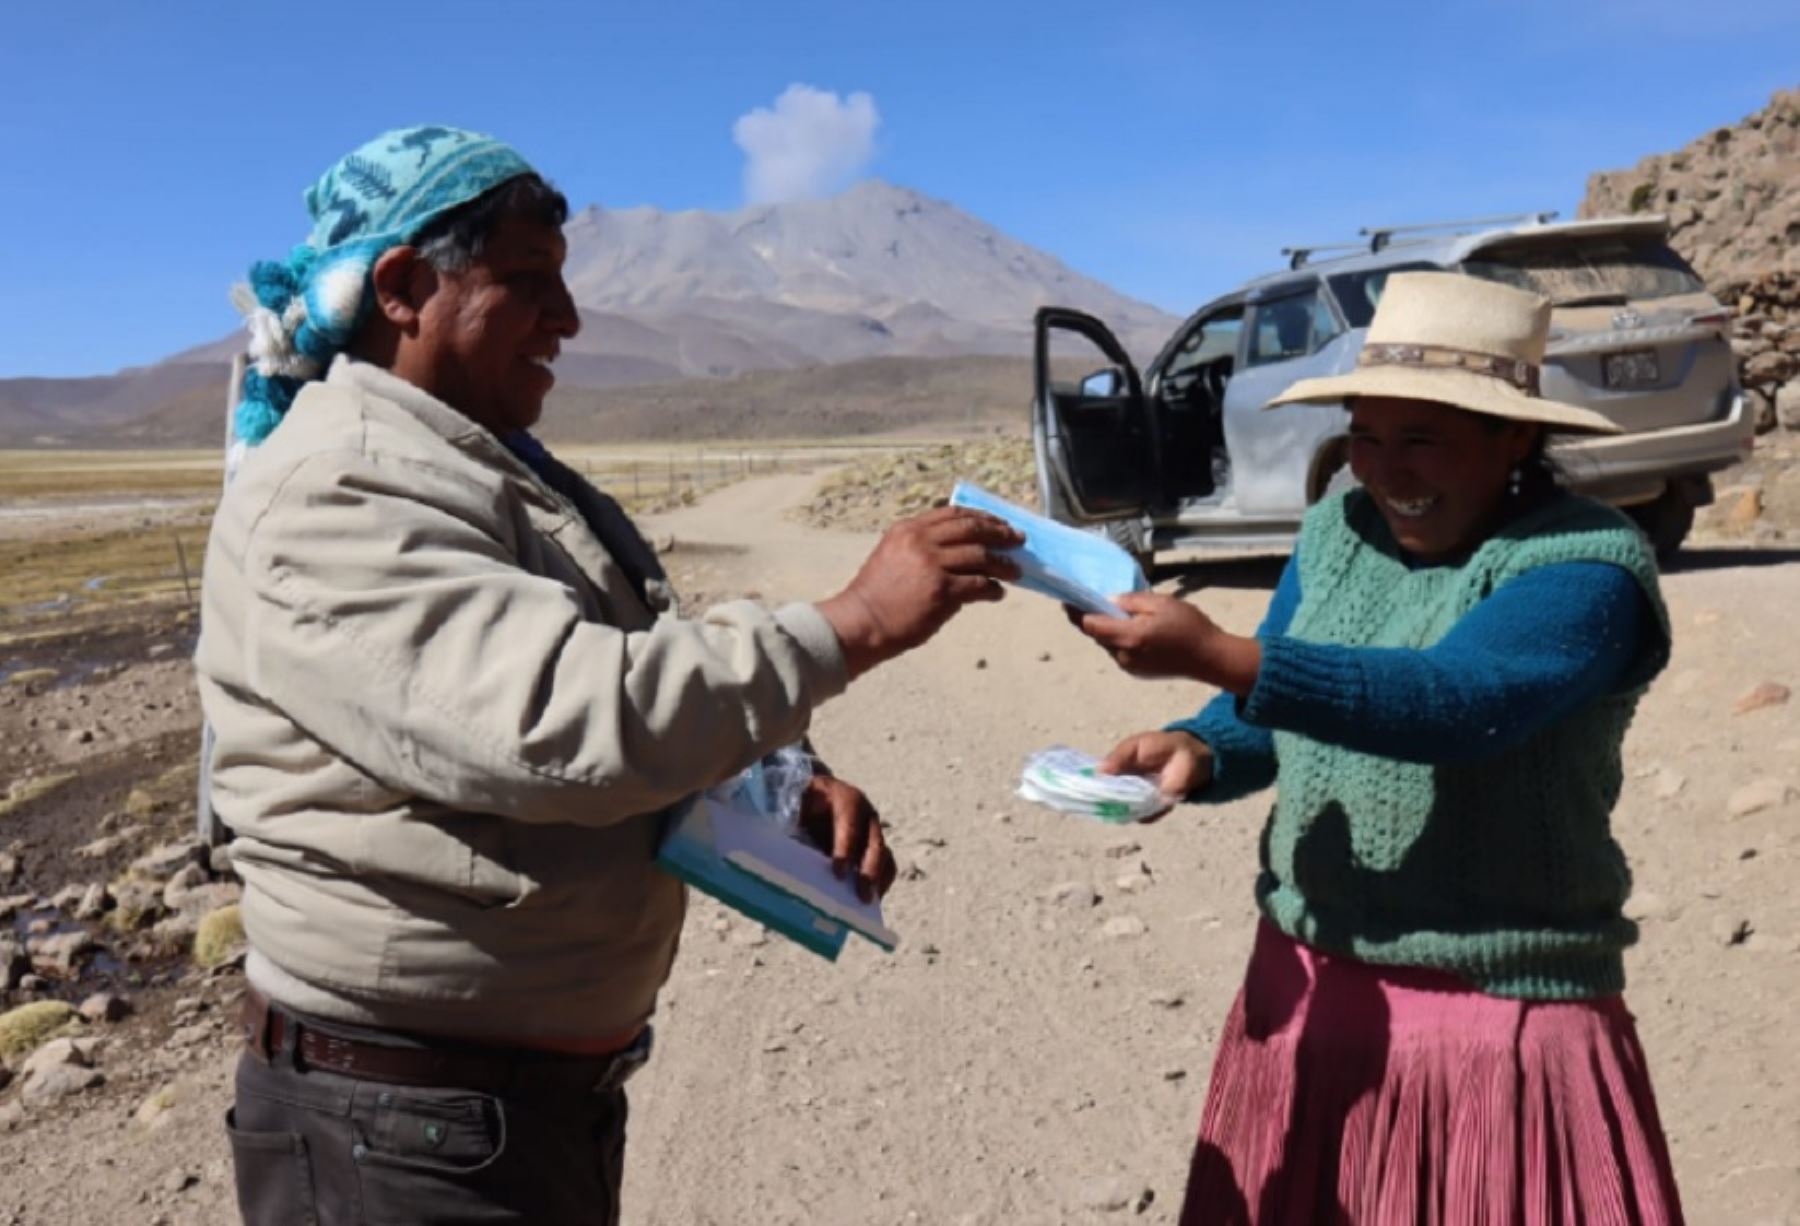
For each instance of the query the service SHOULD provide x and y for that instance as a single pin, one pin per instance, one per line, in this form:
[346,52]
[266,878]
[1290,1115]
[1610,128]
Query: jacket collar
[460,431]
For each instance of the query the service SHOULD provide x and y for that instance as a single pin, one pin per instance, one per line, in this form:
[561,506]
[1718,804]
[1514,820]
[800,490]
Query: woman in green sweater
[1431,1027]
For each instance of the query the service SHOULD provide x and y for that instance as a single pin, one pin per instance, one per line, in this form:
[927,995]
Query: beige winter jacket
[447,726]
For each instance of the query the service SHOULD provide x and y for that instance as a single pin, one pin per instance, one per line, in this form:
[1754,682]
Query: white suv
[1184,455]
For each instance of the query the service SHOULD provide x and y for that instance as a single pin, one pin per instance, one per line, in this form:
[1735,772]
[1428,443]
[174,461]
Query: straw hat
[1474,344]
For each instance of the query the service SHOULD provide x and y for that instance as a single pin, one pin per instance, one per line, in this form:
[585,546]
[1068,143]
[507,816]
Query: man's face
[489,333]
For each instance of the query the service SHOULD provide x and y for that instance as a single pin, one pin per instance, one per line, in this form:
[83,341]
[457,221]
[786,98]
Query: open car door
[1097,445]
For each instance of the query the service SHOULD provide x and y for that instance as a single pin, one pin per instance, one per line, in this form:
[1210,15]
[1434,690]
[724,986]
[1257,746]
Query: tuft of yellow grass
[221,934]
[24,791]
[29,1027]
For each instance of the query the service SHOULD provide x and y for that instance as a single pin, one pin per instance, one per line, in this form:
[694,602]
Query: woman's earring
[1515,480]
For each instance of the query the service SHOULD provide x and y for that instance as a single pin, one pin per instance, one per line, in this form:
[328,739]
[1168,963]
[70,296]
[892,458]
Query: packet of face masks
[1078,568]
[1069,781]
[771,787]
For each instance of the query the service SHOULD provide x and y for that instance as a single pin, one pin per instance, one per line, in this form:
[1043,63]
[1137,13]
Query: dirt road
[1037,1050]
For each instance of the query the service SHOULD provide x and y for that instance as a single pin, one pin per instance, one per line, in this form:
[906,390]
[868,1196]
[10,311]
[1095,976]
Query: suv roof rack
[1380,236]
[1298,256]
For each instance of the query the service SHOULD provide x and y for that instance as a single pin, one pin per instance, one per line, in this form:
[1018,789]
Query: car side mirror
[1102,383]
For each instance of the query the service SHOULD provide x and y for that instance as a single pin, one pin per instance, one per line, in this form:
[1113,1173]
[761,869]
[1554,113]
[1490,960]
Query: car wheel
[1132,536]
[1665,520]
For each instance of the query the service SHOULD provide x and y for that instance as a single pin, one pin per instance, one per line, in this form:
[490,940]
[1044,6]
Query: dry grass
[53,572]
[33,476]
[24,791]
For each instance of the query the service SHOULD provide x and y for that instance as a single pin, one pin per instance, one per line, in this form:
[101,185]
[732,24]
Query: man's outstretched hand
[923,570]
[839,819]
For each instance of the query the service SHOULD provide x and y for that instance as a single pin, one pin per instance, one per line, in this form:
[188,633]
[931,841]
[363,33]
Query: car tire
[1133,536]
[1666,521]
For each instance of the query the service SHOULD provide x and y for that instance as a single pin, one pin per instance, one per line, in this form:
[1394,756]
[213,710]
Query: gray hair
[450,243]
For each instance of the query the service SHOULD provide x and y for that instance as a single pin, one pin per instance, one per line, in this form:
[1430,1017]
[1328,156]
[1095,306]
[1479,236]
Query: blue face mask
[1078,568]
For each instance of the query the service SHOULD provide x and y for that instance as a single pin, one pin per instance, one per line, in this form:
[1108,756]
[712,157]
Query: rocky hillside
[1732,196]
[1733,202]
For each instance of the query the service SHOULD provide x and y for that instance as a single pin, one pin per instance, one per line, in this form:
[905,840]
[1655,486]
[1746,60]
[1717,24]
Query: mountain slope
[877,272]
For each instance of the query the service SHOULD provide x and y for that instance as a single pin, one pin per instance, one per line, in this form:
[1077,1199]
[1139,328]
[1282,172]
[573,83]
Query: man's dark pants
[543,1143]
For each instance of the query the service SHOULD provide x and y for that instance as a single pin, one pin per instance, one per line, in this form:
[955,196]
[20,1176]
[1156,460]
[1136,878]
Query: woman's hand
[1181,762]
[1161,636]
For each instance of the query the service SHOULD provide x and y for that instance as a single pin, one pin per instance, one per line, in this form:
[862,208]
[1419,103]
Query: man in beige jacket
[453,700]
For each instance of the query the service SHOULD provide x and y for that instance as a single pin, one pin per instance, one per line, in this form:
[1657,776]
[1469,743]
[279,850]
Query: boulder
[58,1083]
[59,953]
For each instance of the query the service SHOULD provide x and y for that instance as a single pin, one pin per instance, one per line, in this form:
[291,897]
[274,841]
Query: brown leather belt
[269,1030]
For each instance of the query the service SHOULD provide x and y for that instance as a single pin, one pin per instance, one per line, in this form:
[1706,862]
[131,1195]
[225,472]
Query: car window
[1596,270]
[1358,292]
[1290,327]
[1211,339]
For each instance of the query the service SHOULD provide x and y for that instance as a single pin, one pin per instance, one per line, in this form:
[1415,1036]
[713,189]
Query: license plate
[1632,368]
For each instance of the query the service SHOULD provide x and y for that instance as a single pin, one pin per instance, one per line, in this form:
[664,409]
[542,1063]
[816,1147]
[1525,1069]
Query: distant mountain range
[878,272]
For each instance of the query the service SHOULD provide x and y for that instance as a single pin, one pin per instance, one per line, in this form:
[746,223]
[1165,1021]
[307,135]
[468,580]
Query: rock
[68,898]
[1120,927]
[154,1111]
[1107,1193]
[980,662]
[94,902]
[219,937]
[219,861]
[1138,879]
[1730,931]
[104,1007]
[1165,999]
[9,866]
[54,1052]
[1759,795]
[189,1036]
[1119,850]
[1771,366]
[104,846]
[1768,694]
[58,1083]
[27,1027]
[136,904]
[1787,405]
[162,863]
[15,963]
[179,1181]
[60,953]
[1076,895]
[1762,409]
[1746,510]
[1667,784]
[188,878]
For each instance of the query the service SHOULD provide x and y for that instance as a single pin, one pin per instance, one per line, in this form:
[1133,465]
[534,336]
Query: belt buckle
[622,1067]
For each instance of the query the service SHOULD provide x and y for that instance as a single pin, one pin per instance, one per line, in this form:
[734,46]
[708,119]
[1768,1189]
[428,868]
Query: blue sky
[152,150]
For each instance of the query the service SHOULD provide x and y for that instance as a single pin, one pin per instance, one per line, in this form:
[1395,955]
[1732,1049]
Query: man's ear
[403,283]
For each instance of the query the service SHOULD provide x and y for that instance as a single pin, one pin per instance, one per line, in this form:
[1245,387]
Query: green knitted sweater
[1501,870]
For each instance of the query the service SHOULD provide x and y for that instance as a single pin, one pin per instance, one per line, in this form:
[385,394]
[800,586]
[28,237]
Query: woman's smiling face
[1437,473]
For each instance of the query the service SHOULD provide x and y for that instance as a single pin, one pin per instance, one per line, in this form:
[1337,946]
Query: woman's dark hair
[451,242]
[1539,475]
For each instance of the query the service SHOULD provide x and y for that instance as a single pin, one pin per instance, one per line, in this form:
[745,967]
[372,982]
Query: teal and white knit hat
[303,310]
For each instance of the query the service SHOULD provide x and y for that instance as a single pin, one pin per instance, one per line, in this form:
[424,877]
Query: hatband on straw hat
[1476,345]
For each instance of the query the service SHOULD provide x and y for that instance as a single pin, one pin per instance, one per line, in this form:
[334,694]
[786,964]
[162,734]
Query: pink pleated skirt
[1345,1092]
